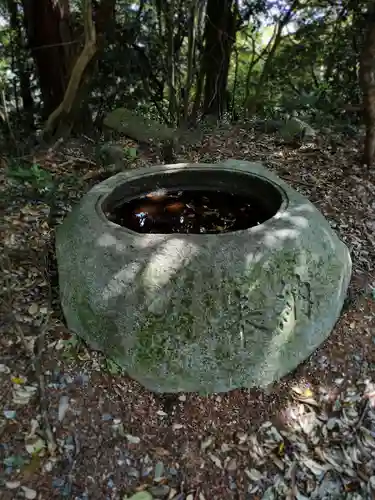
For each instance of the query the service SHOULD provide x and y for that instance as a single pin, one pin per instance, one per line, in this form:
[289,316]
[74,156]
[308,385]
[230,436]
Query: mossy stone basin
[202,312]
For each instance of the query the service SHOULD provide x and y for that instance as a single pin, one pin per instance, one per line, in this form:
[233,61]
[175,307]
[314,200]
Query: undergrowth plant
[75,348]
[34,177]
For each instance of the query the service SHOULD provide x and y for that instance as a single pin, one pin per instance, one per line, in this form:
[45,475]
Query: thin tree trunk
[267,65]
[198,61]
[367,80]
[220,33]
[249,73]
[47,27]
[20,63]
[190,58]
[72,113]
[105,20]
[233,111]
[171,76]
[62,119]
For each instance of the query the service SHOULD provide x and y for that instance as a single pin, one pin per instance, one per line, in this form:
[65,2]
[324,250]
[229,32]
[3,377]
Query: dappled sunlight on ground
[310,434]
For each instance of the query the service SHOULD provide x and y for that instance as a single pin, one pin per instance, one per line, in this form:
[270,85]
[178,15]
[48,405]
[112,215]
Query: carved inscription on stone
[291,304]
[297,298]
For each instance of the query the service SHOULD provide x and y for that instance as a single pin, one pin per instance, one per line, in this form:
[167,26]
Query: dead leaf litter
[71,426]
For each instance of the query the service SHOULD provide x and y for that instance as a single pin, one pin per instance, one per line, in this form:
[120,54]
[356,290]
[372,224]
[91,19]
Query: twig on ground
[81,160]
[35,362]
[52,446]
[296,181]
[89,139]
[77,449]
[18,329]
[8,304]
[293,492]
[363,414]
[67,163]
[55,146]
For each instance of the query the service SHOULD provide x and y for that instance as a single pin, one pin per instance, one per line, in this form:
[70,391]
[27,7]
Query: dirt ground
[72,426]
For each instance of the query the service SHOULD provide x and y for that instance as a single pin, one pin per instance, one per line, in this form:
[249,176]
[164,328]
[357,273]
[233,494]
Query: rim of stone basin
[108,187]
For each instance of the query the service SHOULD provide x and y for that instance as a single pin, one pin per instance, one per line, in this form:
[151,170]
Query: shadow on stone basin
[203,312]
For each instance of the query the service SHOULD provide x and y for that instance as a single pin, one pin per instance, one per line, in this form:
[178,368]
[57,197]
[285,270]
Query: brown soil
[99,435]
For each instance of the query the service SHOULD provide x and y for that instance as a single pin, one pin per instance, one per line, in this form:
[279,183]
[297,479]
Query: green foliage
[72,347]
[35,176]
[112,154]
[131,153]
[15,461]
[75,348]
[312,70]
[110,366]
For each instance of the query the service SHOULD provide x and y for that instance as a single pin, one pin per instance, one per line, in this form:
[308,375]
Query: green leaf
[14,461]
[131,152]
[112,367]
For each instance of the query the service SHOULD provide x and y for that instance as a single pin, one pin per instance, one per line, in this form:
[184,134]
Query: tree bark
[367,80]
[190,60]
[169,12]
[20,63]
[49,36]
[198,56]
[61,120]
[104,14]
[220,32]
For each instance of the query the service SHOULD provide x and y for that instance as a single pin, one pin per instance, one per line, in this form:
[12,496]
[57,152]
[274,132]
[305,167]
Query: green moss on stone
[216,324]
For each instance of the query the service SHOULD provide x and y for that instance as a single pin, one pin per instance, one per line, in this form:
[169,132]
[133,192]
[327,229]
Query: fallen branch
[77,159]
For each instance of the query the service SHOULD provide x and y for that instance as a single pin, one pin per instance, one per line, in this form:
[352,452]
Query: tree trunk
[367,80]
[49,36]
[273,44]
[105,20]
[64,117]
[198,57]
[169,12]
[72,112]
[20,63]
[190,60]
[220,31]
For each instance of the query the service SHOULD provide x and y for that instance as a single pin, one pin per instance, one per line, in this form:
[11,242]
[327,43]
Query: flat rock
[294,128]
[147,130]
[137,127]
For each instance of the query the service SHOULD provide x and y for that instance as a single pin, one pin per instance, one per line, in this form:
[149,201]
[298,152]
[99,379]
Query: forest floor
[72,426]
